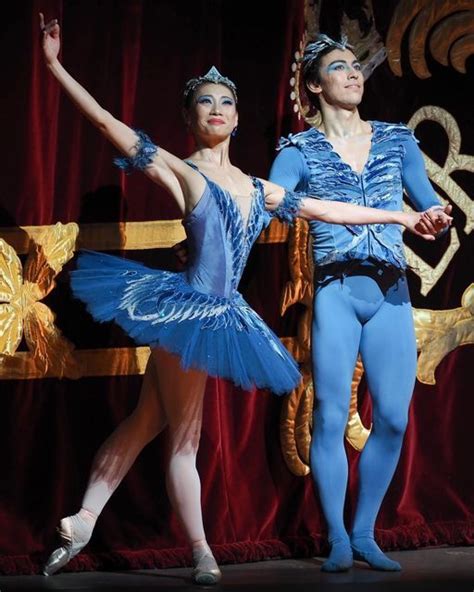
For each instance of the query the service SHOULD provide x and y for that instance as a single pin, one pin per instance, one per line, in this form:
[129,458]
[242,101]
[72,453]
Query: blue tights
[367,311]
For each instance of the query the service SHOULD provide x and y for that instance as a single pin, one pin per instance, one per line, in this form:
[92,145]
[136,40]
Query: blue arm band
[145,151]
[289,207]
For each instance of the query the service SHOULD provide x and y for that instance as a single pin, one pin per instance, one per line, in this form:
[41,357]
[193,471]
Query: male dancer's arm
[418,186]
[288,205]
[289,169]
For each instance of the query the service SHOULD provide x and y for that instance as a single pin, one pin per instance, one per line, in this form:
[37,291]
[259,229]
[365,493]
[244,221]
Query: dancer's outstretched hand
[430,223]
[51,38]
[414,222]
[438,218]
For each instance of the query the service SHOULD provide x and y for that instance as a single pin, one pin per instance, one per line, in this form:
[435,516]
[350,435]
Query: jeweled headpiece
[213,76]
[313,50]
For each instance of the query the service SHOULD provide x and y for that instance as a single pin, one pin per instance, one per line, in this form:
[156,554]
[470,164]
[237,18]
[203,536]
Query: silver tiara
[213,76]
[312,50]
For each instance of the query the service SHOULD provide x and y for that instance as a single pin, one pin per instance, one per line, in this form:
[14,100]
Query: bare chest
[237,184]
[354,151]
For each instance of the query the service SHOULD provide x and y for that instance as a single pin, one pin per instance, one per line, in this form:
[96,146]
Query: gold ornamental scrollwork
[23,315]
[296,413]
[455,161]
[449,25]
[441,176]
[439,332]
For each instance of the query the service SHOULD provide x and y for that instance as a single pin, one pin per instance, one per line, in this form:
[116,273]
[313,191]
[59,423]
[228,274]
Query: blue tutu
[197,314]
[222,336]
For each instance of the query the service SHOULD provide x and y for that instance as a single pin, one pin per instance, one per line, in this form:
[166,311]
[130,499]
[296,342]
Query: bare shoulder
[269,186]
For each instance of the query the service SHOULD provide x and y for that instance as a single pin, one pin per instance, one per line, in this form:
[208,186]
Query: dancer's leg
[111,463]
[388,352]
[335,345]
[118,453]
[182,398]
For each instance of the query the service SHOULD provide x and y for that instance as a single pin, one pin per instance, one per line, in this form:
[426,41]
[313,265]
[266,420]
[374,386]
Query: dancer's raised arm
[161,166]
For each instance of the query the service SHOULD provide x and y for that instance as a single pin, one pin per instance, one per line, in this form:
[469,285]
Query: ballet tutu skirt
[222,336]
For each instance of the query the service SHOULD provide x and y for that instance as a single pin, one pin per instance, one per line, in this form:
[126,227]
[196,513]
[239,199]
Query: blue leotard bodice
[220,239]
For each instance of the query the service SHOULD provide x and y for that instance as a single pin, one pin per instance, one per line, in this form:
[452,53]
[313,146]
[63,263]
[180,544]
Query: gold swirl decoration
[442,177]
[450,26]
[22,314]
[295,426]
[301,106]
[455,161]
[296,412]
[439,332]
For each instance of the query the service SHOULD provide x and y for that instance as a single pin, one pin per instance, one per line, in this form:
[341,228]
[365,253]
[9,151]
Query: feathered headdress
[313,50]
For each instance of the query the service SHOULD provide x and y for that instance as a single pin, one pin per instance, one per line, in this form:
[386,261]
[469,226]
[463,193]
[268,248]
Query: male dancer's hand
[419,224]
[437,219]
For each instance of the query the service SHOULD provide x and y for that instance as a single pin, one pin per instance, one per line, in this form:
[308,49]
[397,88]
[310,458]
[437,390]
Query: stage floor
[447,569]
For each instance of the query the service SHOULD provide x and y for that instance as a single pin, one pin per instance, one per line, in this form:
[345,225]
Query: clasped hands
[434,221]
